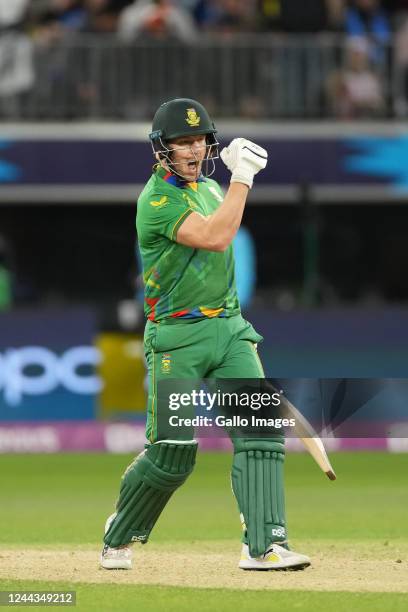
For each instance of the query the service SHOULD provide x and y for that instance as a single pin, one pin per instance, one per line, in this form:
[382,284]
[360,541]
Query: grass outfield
[53,508]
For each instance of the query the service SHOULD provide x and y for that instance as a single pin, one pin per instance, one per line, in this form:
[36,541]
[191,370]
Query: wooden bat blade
[309,437]
[316,449]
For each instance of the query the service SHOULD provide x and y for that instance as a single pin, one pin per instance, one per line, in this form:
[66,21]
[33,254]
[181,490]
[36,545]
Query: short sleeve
[161,214]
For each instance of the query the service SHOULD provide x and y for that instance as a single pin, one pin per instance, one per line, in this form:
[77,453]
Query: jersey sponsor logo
[192,118]
[161,202]
[166,363]
[215,193]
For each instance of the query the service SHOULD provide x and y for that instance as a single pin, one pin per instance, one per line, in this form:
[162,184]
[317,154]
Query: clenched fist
[244,159]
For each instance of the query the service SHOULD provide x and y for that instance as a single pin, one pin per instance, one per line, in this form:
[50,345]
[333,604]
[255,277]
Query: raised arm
[244,159]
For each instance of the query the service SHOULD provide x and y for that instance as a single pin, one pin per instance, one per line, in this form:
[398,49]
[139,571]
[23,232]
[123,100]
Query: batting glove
[244,159]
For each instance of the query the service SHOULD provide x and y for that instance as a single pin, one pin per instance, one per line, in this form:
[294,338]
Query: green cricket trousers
[219,347]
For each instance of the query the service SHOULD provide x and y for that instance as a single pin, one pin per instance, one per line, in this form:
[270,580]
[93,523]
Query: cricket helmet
[182,117]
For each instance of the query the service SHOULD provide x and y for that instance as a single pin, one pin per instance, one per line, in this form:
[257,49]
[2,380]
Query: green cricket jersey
[180,281]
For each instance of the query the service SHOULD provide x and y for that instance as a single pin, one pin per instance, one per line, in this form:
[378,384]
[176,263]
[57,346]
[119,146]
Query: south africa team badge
[192,118]
[166,363]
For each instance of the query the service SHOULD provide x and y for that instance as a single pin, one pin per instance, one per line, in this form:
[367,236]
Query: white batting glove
[244,159]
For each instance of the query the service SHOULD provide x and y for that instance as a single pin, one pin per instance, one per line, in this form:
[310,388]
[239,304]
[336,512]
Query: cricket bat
[304,430]
[310,439]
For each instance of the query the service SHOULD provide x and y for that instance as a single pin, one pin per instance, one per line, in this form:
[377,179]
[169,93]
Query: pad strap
[257,482]
[147,485]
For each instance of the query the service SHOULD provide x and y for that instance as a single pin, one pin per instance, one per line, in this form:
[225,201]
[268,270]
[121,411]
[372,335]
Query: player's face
[188,153]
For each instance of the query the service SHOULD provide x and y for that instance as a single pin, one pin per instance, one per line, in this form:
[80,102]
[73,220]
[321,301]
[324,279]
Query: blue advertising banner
[47,365]
[82,163]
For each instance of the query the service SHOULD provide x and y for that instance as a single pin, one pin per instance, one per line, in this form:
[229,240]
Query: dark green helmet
[183,117]
[180,117]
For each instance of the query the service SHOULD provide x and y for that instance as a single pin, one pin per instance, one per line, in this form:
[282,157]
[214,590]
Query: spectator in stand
[336,12]
[56,19]
[355,91]
[103,15]
[70,15]
[12,14]
[205,13]
[401,69]
[60,17]
[234,16]
[16,57]
[156,19]
[367,18]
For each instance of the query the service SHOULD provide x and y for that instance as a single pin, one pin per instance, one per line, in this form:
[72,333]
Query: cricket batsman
[195,330]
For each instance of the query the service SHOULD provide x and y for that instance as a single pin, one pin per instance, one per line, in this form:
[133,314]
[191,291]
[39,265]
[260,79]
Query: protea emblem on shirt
[192,118]
[165,363]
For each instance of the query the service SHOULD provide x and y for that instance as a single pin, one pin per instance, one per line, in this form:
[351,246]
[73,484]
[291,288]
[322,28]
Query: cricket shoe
[115,558]
[275,558]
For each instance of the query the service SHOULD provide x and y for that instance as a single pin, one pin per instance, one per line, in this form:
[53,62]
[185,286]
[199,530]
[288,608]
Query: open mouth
[193,165]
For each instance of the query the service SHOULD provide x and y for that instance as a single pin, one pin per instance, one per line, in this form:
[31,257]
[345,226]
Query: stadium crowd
[376,18]
[359,85]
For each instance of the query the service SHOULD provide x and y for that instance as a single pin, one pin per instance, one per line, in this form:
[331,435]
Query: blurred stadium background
[323,85]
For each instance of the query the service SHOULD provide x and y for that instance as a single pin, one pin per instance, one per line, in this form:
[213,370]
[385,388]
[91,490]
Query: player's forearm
[223,225]
[244,159]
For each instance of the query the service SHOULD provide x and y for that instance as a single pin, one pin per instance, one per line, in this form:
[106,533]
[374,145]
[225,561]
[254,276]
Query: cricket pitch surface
[346,566]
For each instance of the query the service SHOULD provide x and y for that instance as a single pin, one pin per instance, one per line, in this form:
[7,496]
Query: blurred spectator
[204,12]
[103,15]
[401,70]
[269,14]
[230,16]
[57,19]
[70,15]
[16,61]
[367,18]
[156,19]
[336,14]
[12,13]
[355,91]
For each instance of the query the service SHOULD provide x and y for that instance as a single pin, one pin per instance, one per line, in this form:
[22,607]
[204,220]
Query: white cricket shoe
[115,558]
[275,558]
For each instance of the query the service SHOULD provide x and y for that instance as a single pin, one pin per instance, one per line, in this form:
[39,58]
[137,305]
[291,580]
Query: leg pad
[147,485]
[257,482]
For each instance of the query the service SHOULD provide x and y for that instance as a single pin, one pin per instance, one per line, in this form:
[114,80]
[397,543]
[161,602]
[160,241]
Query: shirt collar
[173,179]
